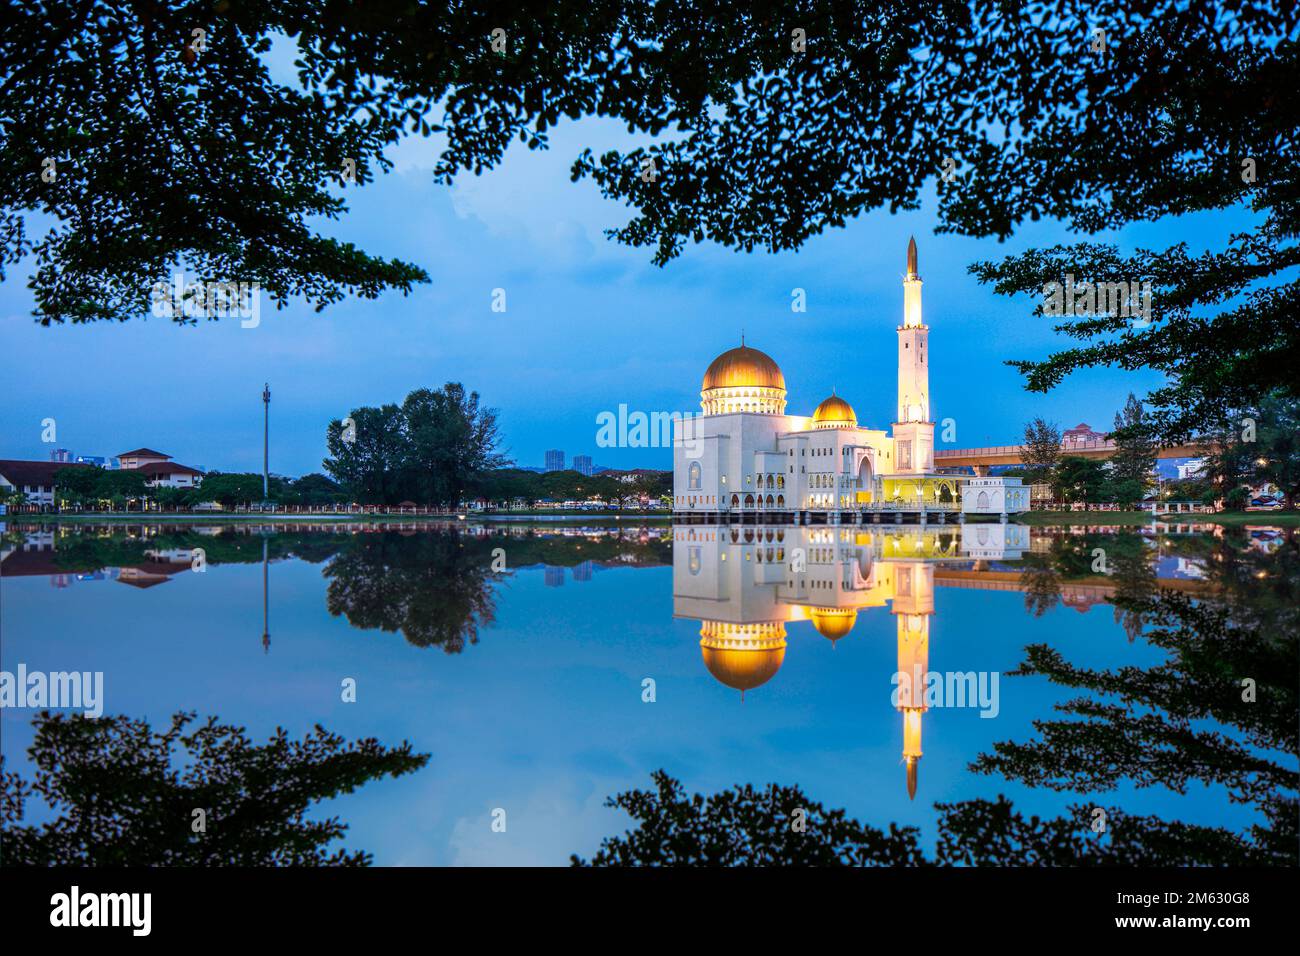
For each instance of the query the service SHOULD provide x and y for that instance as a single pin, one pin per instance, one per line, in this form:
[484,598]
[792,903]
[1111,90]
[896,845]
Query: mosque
[744,458]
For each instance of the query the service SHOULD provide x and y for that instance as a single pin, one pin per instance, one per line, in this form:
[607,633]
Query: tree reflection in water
[436,587]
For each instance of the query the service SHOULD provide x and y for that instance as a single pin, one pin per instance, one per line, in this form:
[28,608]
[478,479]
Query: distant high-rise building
[553,577]
[582,464]
[60,454]
[554,460]
[582,571]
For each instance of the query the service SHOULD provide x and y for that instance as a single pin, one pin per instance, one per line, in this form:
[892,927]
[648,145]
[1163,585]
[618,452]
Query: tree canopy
[431,449]
[153,136]
[125,794]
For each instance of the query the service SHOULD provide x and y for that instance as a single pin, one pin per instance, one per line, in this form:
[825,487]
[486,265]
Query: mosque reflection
[745,584]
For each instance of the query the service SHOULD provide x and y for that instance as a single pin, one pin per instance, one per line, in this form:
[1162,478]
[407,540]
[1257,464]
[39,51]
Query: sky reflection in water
[526,686]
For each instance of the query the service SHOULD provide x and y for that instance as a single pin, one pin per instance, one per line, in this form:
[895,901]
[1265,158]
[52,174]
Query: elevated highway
[981,459]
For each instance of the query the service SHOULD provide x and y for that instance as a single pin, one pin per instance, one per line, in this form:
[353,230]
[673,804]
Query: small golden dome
[743,367]
[834,623]
[835,412]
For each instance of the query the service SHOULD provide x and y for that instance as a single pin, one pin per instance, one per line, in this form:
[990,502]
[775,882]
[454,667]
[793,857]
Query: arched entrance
[864,477]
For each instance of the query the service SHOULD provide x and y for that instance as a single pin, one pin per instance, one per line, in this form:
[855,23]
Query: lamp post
[266,447]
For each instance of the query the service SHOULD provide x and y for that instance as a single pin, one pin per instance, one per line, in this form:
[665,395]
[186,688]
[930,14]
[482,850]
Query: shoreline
[1280,519]
[279,517]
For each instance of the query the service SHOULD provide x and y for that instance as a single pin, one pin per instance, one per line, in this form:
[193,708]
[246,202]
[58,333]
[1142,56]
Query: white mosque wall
[994,541]
[994,496]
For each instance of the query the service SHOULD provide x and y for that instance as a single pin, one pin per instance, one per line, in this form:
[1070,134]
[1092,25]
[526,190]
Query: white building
[745,455]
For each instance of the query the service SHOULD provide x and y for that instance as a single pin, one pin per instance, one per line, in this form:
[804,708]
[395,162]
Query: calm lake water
[772,651]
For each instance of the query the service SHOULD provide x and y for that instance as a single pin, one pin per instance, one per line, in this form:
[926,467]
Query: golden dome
[834,623]
[835,412]
[743,669]
[743,367]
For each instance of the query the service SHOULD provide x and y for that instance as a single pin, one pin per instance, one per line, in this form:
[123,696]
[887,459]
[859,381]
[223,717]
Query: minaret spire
[911,259]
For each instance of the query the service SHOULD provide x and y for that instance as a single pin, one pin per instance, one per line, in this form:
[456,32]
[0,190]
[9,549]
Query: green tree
[367,453]
[450,444]
[79,486]
[124,794]
[317,489]
[433,448]
[1260,445]
[1042,449]
[565,485]
[121,484]
[1079,479]
[231,489]
[1135,453]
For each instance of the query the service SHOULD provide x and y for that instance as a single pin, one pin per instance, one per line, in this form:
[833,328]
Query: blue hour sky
[589,325]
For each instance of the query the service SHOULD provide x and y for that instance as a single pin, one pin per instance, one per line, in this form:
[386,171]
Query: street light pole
[266,444]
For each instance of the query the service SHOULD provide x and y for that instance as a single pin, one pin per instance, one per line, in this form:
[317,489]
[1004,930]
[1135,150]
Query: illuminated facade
[745,455]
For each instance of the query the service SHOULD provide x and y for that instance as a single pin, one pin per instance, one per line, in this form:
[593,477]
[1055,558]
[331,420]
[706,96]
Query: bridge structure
[982,459]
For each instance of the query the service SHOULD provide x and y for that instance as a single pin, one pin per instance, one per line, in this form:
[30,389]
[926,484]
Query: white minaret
[913,431]
[913,336]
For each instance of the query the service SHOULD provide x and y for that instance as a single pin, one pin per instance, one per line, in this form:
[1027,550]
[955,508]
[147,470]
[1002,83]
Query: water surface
[518,657]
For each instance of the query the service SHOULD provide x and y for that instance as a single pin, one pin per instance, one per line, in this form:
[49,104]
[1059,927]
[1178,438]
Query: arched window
[735,501]
[983,500]
[780,501]
[749,501]
[693,475]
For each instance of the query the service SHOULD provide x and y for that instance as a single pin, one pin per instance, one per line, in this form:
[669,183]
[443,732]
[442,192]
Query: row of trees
[1125,478]
[95,487]
[442,448]
[1256,447]
[510,485]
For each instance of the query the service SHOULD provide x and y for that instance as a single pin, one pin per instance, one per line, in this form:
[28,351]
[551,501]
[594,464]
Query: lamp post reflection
[266,625]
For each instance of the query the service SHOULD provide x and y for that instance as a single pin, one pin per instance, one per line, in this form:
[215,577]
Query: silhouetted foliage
[430,450]
[749,826]
[124,794]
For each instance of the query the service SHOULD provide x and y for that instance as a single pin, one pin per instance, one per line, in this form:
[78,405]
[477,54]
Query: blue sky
[589,325]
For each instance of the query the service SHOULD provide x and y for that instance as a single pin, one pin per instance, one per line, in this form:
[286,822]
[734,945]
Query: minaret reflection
[746,583]
[913,607]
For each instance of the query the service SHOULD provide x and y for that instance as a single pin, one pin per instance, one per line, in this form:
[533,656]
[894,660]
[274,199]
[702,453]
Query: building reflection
[744,584]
